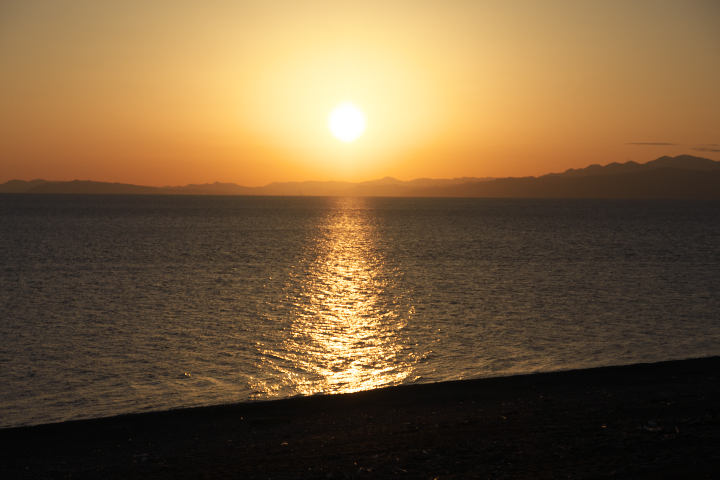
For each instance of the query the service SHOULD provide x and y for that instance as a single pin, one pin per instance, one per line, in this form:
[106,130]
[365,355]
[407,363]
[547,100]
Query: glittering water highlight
[348,314]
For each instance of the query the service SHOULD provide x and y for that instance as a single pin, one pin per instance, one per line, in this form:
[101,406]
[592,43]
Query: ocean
[117,304]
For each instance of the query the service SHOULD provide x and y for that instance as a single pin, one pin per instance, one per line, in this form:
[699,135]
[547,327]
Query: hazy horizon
[373,180]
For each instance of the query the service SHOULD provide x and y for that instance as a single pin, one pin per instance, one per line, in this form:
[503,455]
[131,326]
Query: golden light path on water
[345,334]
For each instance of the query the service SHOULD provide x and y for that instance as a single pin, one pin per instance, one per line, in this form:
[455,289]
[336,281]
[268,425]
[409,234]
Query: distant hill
[387,187]
[684,176]
[90,187]
[216,188]
[384,187]
[659,183]
[21,186]
[86,186]
[682,162]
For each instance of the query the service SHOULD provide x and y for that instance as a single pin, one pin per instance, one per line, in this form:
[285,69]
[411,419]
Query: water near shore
[115,304]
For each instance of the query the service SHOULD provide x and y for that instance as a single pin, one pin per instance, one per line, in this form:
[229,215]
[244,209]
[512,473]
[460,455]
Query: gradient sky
[172,92]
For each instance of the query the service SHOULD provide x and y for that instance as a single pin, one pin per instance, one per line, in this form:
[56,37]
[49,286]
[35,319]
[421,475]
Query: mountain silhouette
[682,162]
[90,187]
[684,176]
[659,183]
[385,187]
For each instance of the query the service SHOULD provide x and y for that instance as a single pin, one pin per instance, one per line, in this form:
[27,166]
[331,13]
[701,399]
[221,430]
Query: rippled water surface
[115,304]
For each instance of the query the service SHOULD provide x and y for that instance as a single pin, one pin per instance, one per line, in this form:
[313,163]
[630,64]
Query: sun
[346,122]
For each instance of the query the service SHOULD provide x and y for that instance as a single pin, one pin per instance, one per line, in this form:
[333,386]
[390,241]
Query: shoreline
[247,402]
[654,420]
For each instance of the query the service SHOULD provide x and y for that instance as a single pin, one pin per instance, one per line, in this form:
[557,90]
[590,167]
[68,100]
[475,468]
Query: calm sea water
[116,304]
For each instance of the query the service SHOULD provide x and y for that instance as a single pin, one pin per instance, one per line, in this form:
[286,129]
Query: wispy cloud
[706,149]
[651,143]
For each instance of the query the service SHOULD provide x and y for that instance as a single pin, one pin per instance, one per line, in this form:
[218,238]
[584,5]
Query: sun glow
[346,122]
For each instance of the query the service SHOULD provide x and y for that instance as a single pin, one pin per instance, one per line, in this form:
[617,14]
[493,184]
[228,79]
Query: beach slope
[655,421]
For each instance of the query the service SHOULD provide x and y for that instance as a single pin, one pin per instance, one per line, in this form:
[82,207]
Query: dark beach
[640,421]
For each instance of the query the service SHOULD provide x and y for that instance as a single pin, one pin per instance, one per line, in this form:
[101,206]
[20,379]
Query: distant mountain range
[681,162]
[681,177]
[384,187]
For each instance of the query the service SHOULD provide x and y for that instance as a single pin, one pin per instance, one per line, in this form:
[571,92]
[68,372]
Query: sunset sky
[172,92]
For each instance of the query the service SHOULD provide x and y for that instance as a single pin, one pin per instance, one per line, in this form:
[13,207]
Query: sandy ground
[656,421]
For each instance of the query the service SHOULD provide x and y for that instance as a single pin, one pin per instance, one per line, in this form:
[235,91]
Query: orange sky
[177,92]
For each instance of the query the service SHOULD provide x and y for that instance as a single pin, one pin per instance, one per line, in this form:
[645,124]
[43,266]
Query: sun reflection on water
[347,316]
